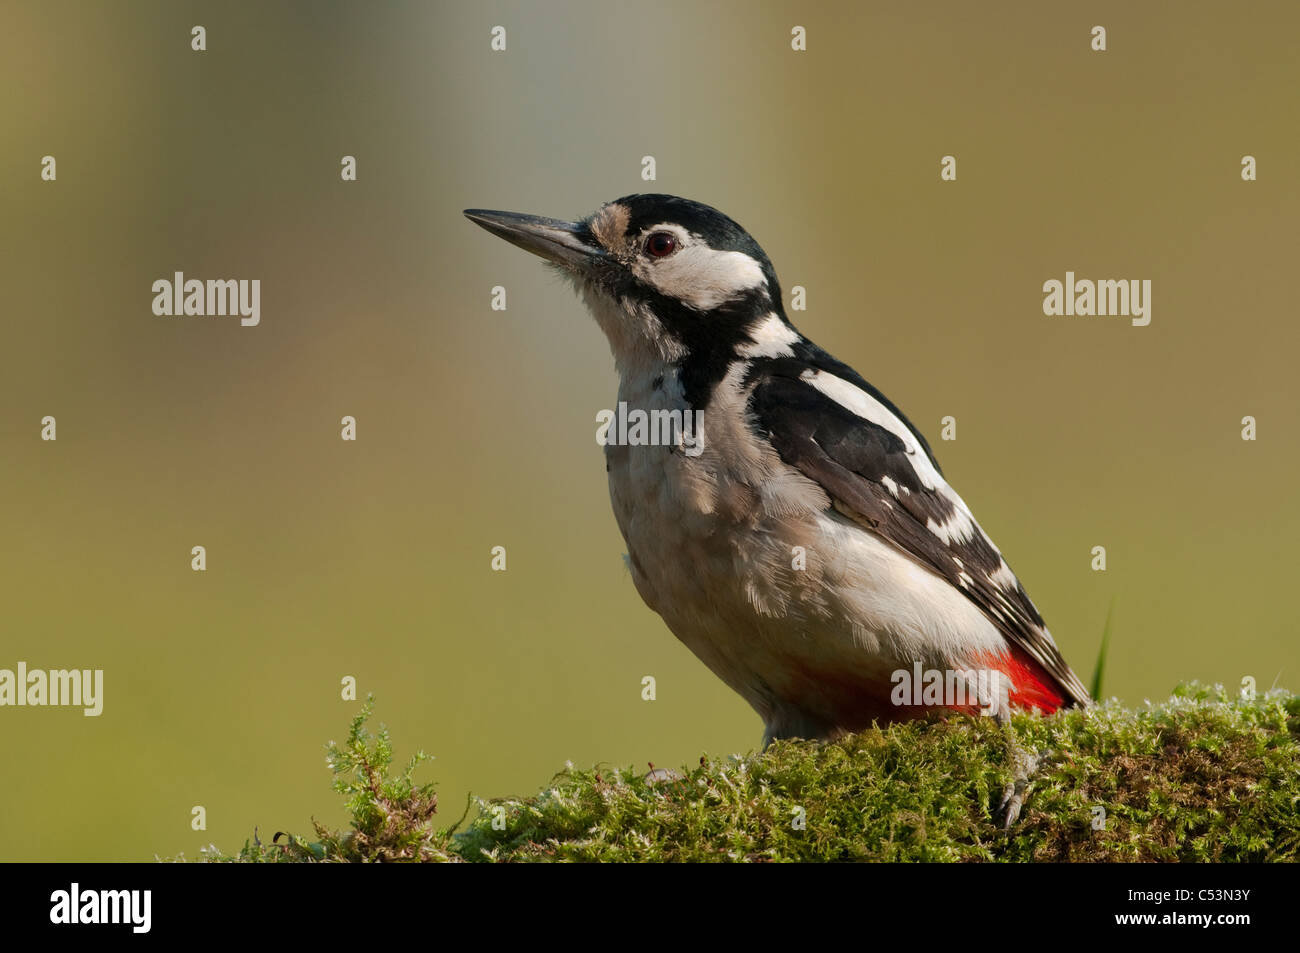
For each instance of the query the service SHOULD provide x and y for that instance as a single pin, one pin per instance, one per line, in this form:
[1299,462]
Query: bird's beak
[556,241]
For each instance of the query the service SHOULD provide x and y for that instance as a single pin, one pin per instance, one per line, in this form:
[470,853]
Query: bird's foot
[1025,765]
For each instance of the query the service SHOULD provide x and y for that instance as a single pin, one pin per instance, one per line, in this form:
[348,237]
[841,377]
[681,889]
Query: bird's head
[668,280]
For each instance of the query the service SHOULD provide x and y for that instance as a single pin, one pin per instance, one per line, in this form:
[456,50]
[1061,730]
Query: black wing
[879,472]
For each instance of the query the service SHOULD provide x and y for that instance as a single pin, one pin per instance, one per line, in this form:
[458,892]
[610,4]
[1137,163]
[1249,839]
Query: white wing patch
[957,528]
[1003,577]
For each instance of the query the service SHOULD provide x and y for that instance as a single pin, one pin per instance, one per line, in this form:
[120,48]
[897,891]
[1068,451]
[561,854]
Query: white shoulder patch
[961,527]
[772,338]
[868,408]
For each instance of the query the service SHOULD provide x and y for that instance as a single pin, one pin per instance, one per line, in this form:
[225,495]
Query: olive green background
[476,427]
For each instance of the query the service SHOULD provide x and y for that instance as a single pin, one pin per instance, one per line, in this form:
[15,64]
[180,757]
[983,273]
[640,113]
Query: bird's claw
[1013,795]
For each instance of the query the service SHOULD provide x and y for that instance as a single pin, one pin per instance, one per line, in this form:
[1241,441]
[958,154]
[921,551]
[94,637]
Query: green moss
[1199,777]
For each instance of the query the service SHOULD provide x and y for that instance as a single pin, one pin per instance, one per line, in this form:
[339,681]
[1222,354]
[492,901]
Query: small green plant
[1099,673]
[392,817]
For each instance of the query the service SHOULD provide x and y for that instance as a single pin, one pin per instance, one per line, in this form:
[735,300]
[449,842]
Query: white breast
[712,548]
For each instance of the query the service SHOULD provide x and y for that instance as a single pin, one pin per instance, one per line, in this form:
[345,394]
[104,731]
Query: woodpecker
[810,550]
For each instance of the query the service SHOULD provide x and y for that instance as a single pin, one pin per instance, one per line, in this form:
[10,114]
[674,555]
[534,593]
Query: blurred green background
[476,427]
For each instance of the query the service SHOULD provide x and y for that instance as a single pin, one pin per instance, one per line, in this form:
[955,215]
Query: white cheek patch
[699,276]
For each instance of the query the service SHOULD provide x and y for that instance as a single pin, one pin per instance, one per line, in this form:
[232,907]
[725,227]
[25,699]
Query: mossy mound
[1200,777]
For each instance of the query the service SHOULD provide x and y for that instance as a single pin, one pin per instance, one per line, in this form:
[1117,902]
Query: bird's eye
[660,245]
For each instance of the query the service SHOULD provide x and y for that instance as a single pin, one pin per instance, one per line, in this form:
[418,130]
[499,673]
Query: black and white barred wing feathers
[842,434]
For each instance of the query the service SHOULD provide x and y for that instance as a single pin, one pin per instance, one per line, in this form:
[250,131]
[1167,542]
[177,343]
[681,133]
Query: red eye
[660,245]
